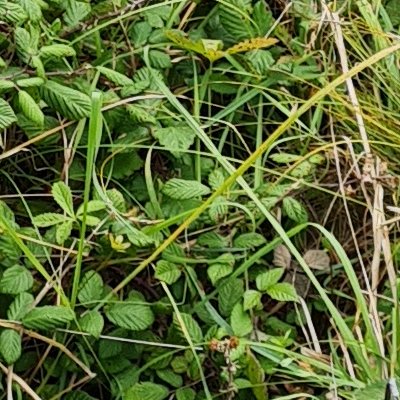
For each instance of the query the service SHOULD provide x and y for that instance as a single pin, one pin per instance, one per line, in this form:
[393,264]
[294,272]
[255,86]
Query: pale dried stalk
[17,379]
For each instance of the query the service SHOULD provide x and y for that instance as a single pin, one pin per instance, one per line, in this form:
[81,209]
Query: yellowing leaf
[251,44]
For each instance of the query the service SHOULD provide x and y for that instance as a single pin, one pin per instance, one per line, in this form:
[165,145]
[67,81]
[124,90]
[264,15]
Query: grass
[148,249]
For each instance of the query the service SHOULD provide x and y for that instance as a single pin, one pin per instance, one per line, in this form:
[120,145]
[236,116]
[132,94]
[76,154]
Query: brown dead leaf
[317,259]
[282,257]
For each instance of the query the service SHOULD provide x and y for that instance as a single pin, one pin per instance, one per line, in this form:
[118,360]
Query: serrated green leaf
[10,346]
[7,116]
[92,206]
[90,220]
[190,325]
[140,114]
[70,103]
[30,82]
[93,323]
[63,231]
[16,279]
[229,294]
[251,299]
[6,84]
[169,376]
[32,9]
[49,219]
[240,321]
[282,292]
[269,278]
[249,240]
[30,108]
[115,77]
[185,394]
[146,391]
[216,178]
[48,317]
[135,317]
[218,270]
[140,33]
[294,210]
[20,306]
[167,272]
[139,238]
[57,51]
[117,199]
[181,189]
[91,289]
[12,13]
[159,59]
[176,139]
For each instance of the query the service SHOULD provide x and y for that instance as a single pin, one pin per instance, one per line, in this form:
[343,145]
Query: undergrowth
[199,199]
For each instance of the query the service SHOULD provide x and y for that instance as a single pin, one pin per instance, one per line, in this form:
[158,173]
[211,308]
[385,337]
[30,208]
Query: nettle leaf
[63,231]
[92,206]
[169,376]
[252,299]
[167,272]
[63,197]
[269,278]
[115,77]
[176,139]
[7,116]
[185,394]
[16,279]
[117,199]
[30,108]
[146,391]
[181,189]
[133,316]
[29,82]
[48,317]
[70,103]
[294,210]
[159,59]
[32,9]
[229,294]
[10,346]
[217,271]
[240,321]
[91,288]
[282,292]
[49,219]
[191,325]
[57,51]
[93,323]
[216,178]
[139,238]
[20,306]
[249,240]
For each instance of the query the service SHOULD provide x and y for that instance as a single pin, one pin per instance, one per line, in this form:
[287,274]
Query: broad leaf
[251,299]
[135,317]
[282,257]
[70,103]
[240,321]
[185,394]
[57,51]
[20,306]
[282,292]
[63,231]
[93,323]
[63,196]
[10,346]
[30,108]
[48,317]
[167,272]
[294,210]
[91,289]
[190,325]
[229,294]
[249,240]
[7,116]
[217,271]
[49,219]
[181,189]
[146,391]
[269,278]
[16,279]
[176,139]
[169,376]
[115,77]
